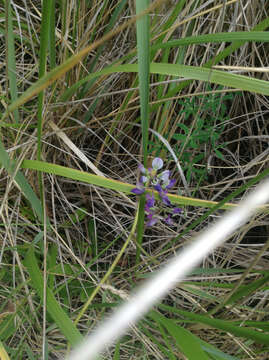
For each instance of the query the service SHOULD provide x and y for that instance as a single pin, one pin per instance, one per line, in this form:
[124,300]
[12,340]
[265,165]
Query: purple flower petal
[169,221]
[165,200]
[152,221]
[158,188]
[142,169]
[138,191]
[177,211]
[164,176]
[150,215]
[157,163]
[143,179]
[171,184]
[149,209]
[150,200]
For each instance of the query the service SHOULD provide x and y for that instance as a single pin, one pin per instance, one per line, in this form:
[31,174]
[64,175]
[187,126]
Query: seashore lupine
[157,210]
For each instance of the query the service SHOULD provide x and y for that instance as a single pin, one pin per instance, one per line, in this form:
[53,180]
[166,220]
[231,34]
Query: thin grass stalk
[52,43]
[142,32]
[109,272]
[44,42]
[10,56]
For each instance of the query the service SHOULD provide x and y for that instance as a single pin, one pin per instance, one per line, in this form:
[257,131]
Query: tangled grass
[84,105]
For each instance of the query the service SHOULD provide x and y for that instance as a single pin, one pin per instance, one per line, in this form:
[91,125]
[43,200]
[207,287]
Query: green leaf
[179,137]
[183,127]
[216,353]
[219,154]
[213,76]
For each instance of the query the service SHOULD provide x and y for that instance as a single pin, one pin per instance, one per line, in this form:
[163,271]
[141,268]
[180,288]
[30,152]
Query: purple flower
[138,191]
[142,169]
[143,179]
[163,194]
[160,209]
[158,188]
[151,220]
[171,184]
[164,198]
[150,200]
[157,163]
[169,220]
[164,176]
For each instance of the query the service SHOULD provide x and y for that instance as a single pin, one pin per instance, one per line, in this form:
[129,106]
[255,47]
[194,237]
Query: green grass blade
[113,184]
[257,36]
[52,43]
[213,76]
[185,340]
[263,25]
[61,319]
[44,41]
[257,336]
[142,31]
[11,64]
[3,353]
[215,353]
[21,182]
[196,73]
[116,355]
[247,290]
[236,44]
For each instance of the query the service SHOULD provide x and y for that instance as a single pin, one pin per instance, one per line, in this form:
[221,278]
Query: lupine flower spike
[157,210]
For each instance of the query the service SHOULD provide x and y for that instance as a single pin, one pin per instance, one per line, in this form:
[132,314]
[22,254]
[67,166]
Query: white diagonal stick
[159,285]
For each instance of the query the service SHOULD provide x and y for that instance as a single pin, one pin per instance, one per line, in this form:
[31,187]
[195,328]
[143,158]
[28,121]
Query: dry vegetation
[89,224]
